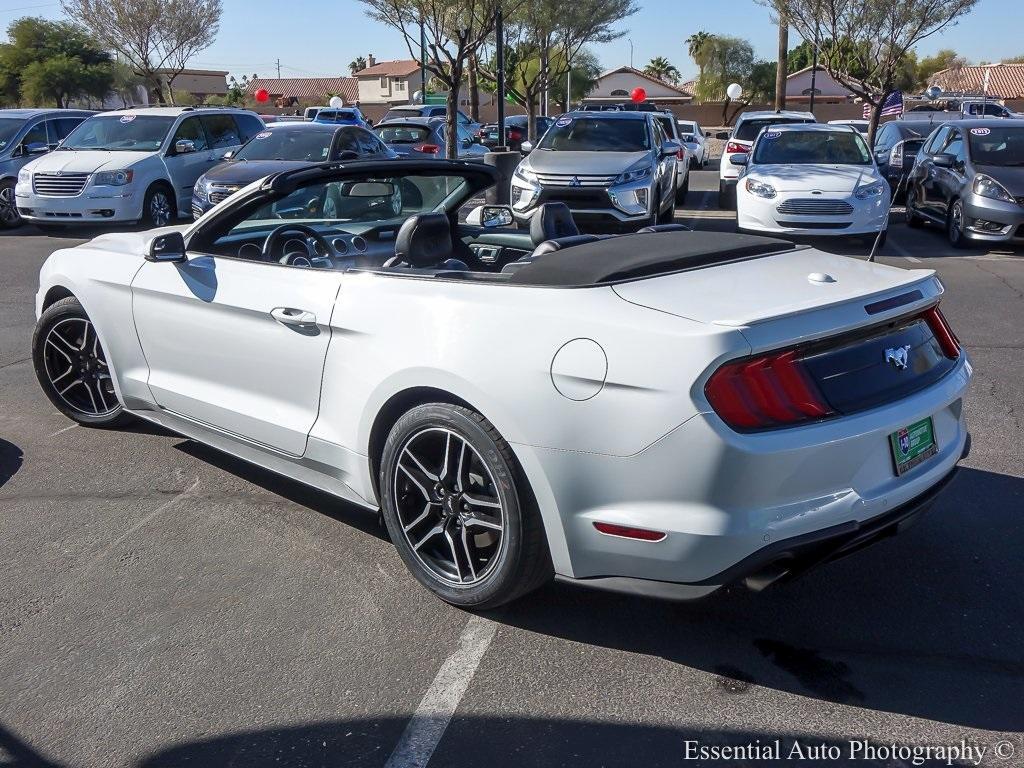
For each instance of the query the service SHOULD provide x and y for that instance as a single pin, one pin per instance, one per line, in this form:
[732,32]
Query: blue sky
[327,34]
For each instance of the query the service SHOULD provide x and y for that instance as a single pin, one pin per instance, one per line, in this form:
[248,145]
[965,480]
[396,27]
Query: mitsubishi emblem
[898,357]
[574,181]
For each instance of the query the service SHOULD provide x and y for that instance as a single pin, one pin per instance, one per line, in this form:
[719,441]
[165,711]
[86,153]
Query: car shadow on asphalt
[496,741]
[11,458]
[925,624]
[358,517]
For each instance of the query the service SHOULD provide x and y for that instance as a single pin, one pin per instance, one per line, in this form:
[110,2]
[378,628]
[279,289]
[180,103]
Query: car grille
[59,184]
[574,180]
[808,207]
[1020,200]
[217,194]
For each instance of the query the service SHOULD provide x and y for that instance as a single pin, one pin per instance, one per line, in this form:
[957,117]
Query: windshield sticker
[563,121]
[262,135]
[980,131]
[771,134]
[127,118]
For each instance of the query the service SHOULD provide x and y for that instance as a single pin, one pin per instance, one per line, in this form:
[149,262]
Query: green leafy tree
[662,69]
[357,64]
[696,47]
[52,63]
[867,45]
[585,71]
[929,66]
[726,60]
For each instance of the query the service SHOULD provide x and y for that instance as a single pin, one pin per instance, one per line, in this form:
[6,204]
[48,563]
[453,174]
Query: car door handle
[292,316]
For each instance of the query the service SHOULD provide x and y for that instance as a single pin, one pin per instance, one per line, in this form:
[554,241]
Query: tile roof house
[827,90]
[318,90]
[1005,81]
[617,84]
[388,82]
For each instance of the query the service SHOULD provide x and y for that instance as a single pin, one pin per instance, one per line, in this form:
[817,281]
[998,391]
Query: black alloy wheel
[458,510]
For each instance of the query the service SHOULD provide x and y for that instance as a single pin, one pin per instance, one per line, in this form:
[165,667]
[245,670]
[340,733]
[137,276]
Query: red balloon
[262,95]
[638,95]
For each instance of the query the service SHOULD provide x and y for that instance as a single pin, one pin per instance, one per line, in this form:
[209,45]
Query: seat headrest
[424,240]
[665,228]
[551,221]
[557,244]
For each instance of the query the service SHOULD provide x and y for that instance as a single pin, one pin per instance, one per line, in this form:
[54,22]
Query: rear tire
[669,214]
[459,510]
[71,366]
[683,191]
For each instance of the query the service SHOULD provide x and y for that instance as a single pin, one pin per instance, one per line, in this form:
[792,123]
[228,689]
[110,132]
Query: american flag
[893,105]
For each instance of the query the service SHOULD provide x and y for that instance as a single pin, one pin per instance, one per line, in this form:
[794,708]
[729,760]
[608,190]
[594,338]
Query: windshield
[811,147]
[120,133]
[402,134]
[997,146]
[401,114]
[748,129]
[295,144]
[9,128]
[595,134]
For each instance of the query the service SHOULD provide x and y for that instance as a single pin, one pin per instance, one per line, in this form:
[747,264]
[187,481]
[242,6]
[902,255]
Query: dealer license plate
[492,135]
[913,445]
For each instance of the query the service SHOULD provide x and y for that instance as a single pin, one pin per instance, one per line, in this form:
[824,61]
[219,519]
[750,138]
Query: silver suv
[614,170]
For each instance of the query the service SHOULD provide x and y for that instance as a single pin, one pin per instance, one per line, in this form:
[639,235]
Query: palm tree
[661,69]
[695,45]
[358,63]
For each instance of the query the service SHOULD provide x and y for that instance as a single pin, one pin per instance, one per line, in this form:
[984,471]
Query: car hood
[87,161]
[586,163]
[242,172]
[809,178]
[1011,178]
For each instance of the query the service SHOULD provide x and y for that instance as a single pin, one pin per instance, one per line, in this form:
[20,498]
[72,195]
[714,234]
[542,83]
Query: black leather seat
[425,242]
[552,221]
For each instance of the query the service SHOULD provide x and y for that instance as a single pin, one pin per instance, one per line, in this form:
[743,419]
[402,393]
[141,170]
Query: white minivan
[131,165]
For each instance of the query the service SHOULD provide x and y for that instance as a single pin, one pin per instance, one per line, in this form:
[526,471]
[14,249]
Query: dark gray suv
[969,179]
[24,135]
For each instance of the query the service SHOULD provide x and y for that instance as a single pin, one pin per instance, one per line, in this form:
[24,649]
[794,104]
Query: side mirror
[169,247]
[724,135]
[739,159]
[526,147]
[184,147]
[670,148]
[492,216]
[467,142]
[228,155]
[943,160]
[36,148]
[707,134]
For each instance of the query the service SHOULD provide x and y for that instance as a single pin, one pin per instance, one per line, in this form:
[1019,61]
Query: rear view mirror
[370,189]
[37,148]
[169,247]
[670,148]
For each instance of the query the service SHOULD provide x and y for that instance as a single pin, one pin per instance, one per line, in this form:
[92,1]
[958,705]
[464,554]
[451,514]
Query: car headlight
[867,191]
[202,189]
[637,173]
[525,172]
[760,188]
[113,178]
[986,186]
[24,175]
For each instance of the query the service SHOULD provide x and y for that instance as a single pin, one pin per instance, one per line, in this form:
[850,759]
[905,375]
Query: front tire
[159,208]
[726,196]
[458,509]
[9,216]
[955,225]
[71,366]
[683,191]
[913,220]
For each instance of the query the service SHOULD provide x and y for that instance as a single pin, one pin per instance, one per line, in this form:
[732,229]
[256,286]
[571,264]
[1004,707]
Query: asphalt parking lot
[162,604]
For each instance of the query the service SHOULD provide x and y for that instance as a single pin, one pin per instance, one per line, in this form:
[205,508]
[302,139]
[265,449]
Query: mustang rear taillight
[767,391]
[943,333]
[428,149]
[732,148]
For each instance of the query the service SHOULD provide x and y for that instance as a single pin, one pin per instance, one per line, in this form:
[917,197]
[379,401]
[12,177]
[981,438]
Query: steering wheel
[312,237]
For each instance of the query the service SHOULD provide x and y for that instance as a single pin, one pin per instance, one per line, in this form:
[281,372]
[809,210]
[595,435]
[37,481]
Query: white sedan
[811,180]
[664,413]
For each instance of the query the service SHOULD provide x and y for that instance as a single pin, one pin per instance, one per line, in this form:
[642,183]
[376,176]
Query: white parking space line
[428,724]
[62,431]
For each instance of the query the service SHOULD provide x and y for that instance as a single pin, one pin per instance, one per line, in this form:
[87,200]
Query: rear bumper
[785,559]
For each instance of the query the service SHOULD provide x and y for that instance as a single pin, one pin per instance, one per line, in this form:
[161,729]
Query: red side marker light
[627,532]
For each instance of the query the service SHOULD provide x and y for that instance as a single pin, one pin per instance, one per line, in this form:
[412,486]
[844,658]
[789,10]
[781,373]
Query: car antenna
[892,203]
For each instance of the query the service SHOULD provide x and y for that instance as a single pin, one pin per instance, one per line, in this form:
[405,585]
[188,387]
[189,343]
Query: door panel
[227,346]
[185,169]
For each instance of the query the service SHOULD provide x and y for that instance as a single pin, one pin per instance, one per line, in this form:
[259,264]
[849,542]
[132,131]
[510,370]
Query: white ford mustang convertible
[661,413]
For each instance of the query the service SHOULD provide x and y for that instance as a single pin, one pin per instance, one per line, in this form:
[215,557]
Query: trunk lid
[790,285]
